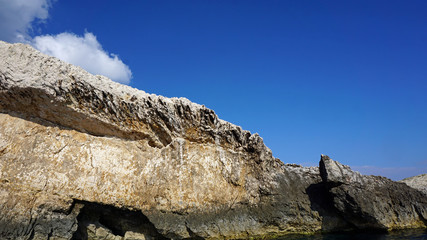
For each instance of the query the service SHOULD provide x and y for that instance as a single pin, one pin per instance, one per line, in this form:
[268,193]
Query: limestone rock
[100,233]
[418,182]
[335,172]
[372,202]
[75,138]
[82,157]
[129,235]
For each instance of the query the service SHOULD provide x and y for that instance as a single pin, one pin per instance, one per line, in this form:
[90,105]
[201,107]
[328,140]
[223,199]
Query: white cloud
[17,17]
[85,52]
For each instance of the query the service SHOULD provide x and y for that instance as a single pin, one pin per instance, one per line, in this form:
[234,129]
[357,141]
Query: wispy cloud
[394,173]
[17,19]
[86,52]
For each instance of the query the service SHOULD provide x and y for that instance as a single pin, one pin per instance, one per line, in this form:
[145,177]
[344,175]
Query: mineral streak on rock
[82,157]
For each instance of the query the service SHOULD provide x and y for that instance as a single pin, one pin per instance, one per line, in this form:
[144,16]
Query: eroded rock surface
[372,202]
[418,182]
[82,157]
[69,137]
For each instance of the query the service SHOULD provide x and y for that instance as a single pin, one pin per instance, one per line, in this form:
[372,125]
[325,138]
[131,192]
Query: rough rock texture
[70,138]
[372,202]
[418,182]
[82,157]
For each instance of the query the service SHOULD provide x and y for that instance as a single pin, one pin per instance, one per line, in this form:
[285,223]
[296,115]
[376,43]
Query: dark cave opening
[112,220]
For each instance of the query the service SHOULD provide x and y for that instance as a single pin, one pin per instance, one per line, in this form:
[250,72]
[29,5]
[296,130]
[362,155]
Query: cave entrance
[97,221]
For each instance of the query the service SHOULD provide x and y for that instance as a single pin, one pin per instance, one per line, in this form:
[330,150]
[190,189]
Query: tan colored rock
[100,233]
[129,235]
[83,157]
[84,138]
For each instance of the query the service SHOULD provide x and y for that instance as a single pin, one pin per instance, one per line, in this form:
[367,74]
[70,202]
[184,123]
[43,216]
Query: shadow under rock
[322,201]
[94,216]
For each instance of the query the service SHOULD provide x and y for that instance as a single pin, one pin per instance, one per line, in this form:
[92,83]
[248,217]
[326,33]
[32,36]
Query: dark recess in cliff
[118,221]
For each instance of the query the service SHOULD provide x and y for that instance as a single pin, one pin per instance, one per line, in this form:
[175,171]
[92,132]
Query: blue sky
[343,78]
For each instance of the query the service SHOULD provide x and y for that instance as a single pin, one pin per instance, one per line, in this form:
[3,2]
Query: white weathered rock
[418,182]
[81,137]
[333,171]
[78,151]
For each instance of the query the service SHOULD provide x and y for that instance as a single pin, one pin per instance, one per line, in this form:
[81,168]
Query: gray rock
[418,182]
[372,202]
[335,172]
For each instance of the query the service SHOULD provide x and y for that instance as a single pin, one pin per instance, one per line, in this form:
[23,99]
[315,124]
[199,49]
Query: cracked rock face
[418,182]
[69,137]
[82,157]
[372,202]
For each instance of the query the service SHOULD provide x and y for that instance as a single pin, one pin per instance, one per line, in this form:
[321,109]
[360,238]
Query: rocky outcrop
[69,138]
[82,157]
[372,202]
[418,182]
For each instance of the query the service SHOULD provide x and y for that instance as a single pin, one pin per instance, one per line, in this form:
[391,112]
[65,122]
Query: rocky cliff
[418,182]
[372,202]
[82,157]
